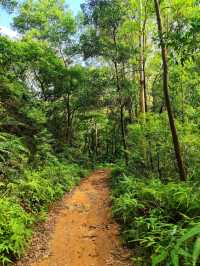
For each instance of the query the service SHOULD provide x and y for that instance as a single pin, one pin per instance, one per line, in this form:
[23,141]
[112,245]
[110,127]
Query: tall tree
[103,40]
[177,149]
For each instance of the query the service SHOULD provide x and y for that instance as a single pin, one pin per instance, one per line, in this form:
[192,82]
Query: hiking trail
[84,233]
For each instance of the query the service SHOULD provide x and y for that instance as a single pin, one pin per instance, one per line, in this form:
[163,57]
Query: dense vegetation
[117,84]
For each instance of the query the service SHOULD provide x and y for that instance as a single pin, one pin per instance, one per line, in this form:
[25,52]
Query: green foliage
[57,111]
[160,221]
[8,4]
[15,226]
[151,148]
[13,155]
[117,171]
[46,19]
[37,189]
[26,200]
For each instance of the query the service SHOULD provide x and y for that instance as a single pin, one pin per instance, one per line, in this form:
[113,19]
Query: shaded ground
[83,232]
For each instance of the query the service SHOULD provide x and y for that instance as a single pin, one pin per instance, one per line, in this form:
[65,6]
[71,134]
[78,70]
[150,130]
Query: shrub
[117,171]
[28,200]
[34,191]
[15,225]
[160,221]
[13,155]
[37,189]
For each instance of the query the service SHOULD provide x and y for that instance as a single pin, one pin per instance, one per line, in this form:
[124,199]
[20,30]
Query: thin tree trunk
[96,140]
[123,133]
[142,81]
[143,102]
[68,119]
[144,71]
[177,149]
[130,109]
[158,165]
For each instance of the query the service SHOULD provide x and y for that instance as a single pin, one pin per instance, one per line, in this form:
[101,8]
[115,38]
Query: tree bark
[144,70]
[177,149]
[123,133]
[142,80]
[143,95]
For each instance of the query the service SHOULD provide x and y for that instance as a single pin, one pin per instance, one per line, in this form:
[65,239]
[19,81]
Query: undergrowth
[25,201]
[161,222]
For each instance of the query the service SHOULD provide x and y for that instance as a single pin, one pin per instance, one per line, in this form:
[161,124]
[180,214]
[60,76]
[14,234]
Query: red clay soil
[84,233]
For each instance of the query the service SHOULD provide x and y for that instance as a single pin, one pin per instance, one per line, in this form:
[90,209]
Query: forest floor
[80,230]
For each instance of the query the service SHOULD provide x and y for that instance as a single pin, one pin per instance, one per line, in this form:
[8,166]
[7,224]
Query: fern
[157,217]
[13,155]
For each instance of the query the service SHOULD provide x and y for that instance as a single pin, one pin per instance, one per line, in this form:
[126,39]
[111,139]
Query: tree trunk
[142,63]
[123,133]
[142,81]
[130,109]
[144,71]
[68,120]
[177,149]
[96,140]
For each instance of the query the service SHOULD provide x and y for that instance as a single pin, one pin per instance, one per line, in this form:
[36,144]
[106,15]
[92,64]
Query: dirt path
[84,232]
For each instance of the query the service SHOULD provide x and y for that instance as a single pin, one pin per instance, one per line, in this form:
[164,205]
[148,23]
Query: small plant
[160,221]
[28,199]
[37,189]
[13,155]
[15,231]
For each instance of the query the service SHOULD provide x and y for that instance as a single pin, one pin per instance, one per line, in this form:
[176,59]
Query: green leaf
[196,252]
[175,257]
[156,259]
[189,233]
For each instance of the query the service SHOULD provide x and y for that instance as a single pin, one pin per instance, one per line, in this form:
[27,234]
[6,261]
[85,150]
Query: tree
[105,19]
[48,20]
[8,4]
[166,94]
